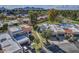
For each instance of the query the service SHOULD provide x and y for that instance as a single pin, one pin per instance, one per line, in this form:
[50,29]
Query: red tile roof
[68,31]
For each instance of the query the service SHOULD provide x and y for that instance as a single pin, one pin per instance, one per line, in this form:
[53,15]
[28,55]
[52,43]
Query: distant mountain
[29,8]
[33,8]
[68,7]
[13,11]
[2,8]
[59,7]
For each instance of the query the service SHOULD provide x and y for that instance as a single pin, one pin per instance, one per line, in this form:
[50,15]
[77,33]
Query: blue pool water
[19,36]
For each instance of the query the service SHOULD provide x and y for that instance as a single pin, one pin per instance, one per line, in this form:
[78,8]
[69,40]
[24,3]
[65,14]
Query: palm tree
[70,37]
[33,17]
[3,17]
[52,14]
[47,34]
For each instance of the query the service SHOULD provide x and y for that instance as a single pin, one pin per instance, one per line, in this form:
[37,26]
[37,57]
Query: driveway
[76,44]
[69,47]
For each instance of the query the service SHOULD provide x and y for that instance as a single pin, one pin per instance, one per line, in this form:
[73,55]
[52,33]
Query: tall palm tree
[52,14]
[33,17]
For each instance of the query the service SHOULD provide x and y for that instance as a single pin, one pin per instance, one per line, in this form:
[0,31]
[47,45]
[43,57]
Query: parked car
[25,49]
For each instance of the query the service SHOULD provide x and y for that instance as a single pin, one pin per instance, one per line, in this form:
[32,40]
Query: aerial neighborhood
[39,30]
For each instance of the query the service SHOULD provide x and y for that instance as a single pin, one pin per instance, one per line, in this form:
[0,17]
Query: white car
[25,49]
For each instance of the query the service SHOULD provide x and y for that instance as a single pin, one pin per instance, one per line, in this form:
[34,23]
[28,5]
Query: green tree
[47,34]
[2,16]
[52,14]
[33,17]
[69,37]
[4,28]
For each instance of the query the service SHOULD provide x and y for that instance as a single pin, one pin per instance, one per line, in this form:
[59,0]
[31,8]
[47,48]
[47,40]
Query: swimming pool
[19,36]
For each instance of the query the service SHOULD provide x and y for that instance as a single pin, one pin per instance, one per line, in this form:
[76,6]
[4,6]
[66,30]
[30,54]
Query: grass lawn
[49,22]
[55,22]
[42,22]
[75,22]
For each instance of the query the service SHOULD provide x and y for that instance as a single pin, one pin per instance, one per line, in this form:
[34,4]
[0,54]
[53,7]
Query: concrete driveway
[69,48]
[66,46]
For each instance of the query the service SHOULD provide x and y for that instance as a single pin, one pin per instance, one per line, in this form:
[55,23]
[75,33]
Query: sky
[72,7]
[21,6]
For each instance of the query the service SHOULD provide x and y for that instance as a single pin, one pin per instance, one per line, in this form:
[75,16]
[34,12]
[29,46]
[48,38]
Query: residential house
[8,45]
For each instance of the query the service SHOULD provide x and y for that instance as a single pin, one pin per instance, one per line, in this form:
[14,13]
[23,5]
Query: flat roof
[57,28]
[14,29]
[52,28]
[8,45]
[24,40]
[26,28]
[60,28]
[25,25]
[26,19]
[45,16]
[74,30]
[13,22]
